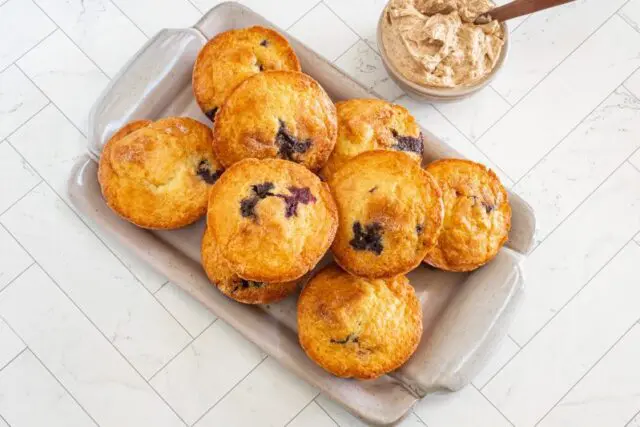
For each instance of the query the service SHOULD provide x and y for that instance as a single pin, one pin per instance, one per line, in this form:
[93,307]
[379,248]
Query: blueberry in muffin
[276,114]
[233,56]
[221,274]
[373,124]
[355,327]
[477,215]
[390,214]
[272,219]
[158,174]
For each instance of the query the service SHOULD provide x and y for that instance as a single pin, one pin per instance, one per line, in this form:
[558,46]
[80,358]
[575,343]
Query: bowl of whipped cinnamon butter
[435,52]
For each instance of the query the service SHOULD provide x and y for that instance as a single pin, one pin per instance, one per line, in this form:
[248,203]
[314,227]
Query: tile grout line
[349,27]
[62,385]
[632,24]
[98,330]
[161,287]
[198,9]
[303,15]
[2,368]
[568,55]
[492,404]
[501,97]
[131,20]
[587,373]
[324,410]
[419,417]
[52,103]
[23,270]
[82,220]
[5,421]
[558,310]
[570,131]
[6,138]
[586,198]
[632,165]
[181,351]
[334,62]
[628,424]
[30,49]
[73,41]
[303,408]
[25,194]
[471,142]
[229,391]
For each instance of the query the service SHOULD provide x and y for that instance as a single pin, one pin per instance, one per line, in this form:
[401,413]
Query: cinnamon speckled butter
[435,43]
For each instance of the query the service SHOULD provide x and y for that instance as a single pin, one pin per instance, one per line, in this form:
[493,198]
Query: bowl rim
[441,92]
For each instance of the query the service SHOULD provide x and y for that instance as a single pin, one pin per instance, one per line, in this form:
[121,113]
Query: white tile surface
[205,5]
[330,45]
[582,161]
[16,177]
[361,15]
[364,64]
[345,419]
[285,14]
[635,422]
[503,354]
[542,42]
[220,353]
[465,408]
[432,120]
[631,13]
[574,253]
[609,394]
[65,75]
[55,161]
[29,395]
[475,115]
[312,416]
[191,314]
[99,284]
[563,99]
[19,100]
[167,14]
[574,340]
[10,345]
[14,259]
[86,364]
[98,28]
[633,83]
[25,25]
[268,396]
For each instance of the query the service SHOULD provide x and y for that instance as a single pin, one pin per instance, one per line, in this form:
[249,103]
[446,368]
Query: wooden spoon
[517,8]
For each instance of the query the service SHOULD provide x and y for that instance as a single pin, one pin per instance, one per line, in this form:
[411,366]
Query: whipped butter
[435,43]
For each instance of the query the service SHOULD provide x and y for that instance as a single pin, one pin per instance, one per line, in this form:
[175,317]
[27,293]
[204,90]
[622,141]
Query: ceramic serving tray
[465,315]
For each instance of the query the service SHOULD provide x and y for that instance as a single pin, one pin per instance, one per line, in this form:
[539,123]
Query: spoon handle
[518,8]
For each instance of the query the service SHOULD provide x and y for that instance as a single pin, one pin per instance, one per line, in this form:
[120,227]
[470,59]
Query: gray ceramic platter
[465,315]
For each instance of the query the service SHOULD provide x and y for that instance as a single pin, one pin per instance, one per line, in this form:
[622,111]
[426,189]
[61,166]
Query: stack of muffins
[283,176]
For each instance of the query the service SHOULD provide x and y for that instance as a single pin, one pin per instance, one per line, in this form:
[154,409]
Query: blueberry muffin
[477,215]
[233,56]
[229,283]
[272,219]
[390,214]
[358,328]
[373,124]
[158,174]
[282,114]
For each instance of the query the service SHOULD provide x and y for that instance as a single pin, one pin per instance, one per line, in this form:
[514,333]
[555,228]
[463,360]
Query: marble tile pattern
[92,336]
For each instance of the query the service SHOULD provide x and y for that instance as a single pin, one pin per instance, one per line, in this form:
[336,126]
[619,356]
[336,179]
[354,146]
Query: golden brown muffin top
[373,124]
[229,283]
[358,328]
[276,114]
[231,57]
[273,219]
[477,215]
[157,174]
[390,214]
